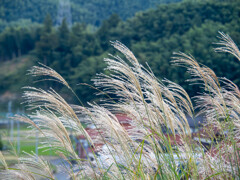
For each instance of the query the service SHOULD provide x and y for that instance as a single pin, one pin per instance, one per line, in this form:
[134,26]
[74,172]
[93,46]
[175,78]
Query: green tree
[47,43]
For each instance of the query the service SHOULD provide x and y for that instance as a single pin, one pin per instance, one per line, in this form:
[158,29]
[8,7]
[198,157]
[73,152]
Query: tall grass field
[157,143]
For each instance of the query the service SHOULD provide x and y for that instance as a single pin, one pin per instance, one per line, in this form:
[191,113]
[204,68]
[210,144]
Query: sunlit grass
[158,143]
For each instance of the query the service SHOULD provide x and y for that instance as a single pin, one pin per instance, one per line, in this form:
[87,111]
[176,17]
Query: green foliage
[90,12]
[153,35]
[35,10]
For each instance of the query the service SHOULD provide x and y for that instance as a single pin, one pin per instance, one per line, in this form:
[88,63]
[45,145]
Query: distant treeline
[153,36]
[24,12]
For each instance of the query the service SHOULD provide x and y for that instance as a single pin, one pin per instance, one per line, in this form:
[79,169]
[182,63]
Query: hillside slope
[152,35]
[13,77]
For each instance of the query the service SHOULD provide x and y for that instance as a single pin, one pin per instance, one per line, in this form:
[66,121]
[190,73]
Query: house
[83,148]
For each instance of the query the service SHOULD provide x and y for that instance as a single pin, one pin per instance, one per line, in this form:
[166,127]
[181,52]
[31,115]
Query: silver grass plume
[146,101]
[119,146]
[149,103]
[51,100]
[212,102]
[54,131]
[227,45]
[30,167]
[44,70]
[139,88]
[220,105]
[3,161]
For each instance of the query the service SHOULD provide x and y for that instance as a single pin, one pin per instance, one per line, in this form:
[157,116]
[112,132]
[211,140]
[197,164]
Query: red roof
[222,149]
[174,140]
[124,120]
[207,131]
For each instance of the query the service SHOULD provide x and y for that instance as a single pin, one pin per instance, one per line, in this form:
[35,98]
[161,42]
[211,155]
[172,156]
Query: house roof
[124,120]
[224,149]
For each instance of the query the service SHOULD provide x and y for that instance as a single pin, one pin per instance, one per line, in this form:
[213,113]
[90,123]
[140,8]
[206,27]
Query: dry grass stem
[227,45]
[154,140]
[44,70]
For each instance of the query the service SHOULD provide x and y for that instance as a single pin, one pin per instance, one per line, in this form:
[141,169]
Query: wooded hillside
[153,36]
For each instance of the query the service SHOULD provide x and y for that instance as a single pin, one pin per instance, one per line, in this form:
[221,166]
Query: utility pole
[18,135]
[64,11]
[10,121]
[36,145]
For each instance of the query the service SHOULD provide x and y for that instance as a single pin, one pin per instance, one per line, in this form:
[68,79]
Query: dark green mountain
[153,35]
[85,11]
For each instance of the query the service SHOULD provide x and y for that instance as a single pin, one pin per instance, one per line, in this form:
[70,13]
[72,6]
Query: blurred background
[73,37]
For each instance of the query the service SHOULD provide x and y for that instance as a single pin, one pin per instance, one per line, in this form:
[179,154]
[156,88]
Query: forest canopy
[153,35]
[21,13]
